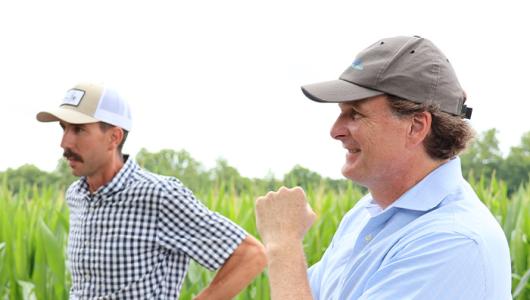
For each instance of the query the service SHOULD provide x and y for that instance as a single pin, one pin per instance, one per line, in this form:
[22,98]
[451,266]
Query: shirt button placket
[86,252]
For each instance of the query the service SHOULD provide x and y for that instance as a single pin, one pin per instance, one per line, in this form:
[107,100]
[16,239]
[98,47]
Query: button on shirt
[437,241]
[134,237]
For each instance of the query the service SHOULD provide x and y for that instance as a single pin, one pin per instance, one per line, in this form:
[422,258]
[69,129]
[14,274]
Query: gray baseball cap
[412,68]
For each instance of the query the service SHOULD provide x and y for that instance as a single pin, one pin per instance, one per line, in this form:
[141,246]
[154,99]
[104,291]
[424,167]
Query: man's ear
[420,126]
[116,136]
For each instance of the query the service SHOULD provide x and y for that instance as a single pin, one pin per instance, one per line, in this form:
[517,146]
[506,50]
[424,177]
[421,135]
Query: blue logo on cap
[357,64]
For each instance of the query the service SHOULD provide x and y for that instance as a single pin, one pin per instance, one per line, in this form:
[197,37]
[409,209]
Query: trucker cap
[412,68]
[90,103]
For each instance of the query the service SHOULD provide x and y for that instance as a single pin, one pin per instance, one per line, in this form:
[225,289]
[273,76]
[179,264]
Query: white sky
[222,78]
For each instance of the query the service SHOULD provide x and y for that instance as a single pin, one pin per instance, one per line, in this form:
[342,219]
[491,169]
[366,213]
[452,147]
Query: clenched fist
[283,216]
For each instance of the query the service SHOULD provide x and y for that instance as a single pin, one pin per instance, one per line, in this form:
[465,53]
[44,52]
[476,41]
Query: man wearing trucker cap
[421,232]
[132,232]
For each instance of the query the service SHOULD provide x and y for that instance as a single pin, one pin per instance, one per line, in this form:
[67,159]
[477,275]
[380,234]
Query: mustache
[69,154]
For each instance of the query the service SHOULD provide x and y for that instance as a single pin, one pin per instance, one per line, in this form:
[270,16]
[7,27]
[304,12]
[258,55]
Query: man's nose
[338,130]
[67,140]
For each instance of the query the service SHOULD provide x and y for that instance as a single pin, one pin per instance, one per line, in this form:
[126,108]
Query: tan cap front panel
[89,100]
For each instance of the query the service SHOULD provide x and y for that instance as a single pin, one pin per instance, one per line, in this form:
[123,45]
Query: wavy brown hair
[449,134]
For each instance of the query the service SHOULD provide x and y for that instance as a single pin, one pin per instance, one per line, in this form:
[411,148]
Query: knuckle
[259,201]
[299,190]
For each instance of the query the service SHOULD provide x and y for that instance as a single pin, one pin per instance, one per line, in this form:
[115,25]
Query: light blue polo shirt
[437,241]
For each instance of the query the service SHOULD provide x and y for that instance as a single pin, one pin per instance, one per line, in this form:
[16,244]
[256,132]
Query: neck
[105,173]
[385,192]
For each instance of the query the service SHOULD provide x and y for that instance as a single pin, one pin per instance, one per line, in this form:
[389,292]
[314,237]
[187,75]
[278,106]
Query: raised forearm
[282,219]
[288,272]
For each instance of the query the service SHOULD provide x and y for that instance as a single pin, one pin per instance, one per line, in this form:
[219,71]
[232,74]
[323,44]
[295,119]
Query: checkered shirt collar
[118,182]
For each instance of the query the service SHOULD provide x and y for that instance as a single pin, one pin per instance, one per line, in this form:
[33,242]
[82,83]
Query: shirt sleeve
[186,225]
[438,266]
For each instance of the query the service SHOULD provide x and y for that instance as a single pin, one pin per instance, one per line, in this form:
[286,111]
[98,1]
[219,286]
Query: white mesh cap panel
[114,110]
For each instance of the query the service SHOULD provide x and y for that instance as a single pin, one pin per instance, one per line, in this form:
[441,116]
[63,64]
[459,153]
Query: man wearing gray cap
[132,232]
[421,232]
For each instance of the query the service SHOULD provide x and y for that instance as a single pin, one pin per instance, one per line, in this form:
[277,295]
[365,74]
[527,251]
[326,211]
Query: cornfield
[34,228]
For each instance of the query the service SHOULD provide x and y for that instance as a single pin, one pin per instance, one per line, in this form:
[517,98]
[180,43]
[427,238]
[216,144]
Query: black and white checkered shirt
[134,237]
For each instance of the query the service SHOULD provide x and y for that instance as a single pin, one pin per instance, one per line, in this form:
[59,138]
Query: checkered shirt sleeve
[187,226]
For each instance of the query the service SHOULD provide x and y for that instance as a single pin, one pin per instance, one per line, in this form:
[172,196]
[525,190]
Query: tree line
[482,160]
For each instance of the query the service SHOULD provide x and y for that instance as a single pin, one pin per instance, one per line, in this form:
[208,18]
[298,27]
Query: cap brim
[337,91]
[66,115]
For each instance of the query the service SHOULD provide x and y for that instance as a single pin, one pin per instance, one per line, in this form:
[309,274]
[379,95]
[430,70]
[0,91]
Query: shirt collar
[118,182]
[372,207]
[429,192]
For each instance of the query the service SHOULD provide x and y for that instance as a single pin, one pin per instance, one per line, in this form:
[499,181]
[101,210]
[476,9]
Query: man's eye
[78,129]
[355,114]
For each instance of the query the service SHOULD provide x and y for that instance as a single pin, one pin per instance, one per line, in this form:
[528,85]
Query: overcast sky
[222,79]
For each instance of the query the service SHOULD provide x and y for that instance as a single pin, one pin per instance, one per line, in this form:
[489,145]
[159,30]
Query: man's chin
[75,171]
[76,174]
[349,172]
